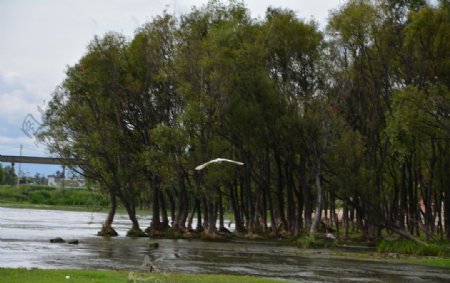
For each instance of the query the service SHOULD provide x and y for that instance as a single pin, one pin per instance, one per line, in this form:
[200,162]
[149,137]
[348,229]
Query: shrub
[12,194]
[40,194]
[411,248]
[41,187]
[307,242]
[40,197]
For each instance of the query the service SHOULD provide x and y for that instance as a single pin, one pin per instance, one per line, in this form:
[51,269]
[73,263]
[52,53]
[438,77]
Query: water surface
[25,234]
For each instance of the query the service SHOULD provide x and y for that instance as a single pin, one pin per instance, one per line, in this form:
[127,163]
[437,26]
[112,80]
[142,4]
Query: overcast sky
[39,38]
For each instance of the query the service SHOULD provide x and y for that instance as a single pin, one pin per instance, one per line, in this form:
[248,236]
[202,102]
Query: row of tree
[7,175]
[350,125]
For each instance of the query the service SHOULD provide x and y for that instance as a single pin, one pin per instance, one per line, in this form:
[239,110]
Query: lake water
[25,235]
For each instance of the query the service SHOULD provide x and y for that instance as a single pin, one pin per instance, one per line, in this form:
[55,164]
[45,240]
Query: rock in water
[73,242]
[107,231]
[136,232]
[153,245]
[57,240]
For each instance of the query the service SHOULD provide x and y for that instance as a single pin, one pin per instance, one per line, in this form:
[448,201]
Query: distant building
[52,181]
[74,183]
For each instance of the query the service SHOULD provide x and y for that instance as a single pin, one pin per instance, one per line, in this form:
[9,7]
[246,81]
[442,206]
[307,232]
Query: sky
[40,38]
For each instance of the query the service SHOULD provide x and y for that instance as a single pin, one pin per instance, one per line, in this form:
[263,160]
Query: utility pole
[20,166]
[64,176]
[11,174]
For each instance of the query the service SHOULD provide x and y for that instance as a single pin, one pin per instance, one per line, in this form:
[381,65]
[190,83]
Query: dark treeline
[7,175]
[349,126]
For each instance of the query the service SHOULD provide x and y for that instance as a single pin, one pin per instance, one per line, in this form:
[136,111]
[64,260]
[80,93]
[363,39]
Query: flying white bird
[217,160]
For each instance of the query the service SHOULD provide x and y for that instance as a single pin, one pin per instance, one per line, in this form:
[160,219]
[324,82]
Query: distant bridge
[35,160]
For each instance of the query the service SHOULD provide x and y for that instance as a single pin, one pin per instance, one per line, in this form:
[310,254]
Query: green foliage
[405,128]
[428,37]
[308,242]
[40,194]
[40,197]
[8,177]
[411,248]
[355,21]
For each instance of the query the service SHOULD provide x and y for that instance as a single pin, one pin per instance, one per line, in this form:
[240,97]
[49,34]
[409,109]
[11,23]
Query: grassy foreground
[20,275]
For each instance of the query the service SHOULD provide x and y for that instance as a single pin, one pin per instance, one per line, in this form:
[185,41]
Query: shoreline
[341,251]
[76,208]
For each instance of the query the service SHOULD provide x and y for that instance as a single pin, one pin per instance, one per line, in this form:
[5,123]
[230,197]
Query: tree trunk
[192,215]
[280,193]
[183,205]
[290,200]
[334,215]
[243,204]
[164,215]
[107,229]
[299,214]
[155,225]
[132,215]
[267,188]
[403,233]
[135,230]
[346,220]
[235,206]
[318,214]
[173,211]
[221,213]
[199,227]
[308,206]
[403,198]
[211,217]
[446,188]
[249,200]
[447,212]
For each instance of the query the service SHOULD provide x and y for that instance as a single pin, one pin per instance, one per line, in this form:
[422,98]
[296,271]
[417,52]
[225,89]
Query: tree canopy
[343,127]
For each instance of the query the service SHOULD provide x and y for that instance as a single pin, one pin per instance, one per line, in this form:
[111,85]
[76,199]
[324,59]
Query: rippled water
[25,234]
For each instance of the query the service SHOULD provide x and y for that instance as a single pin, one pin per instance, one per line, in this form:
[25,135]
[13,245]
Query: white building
[52,181]
[74,183]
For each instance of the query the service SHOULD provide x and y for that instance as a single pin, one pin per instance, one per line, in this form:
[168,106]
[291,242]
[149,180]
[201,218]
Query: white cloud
[14,142]
[11,146]
[15,106]
[9,77]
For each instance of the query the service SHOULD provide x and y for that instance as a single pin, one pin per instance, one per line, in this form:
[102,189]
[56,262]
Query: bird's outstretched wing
[229,160]
[217,160]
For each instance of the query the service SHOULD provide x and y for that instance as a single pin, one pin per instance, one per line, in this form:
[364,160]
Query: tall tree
[84,121]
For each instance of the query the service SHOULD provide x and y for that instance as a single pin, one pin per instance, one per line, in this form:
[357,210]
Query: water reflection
[25,234]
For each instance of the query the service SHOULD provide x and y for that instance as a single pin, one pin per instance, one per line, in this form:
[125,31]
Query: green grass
[405,259]
[45,195]
[307,242]
[430,261]
[411,248]
[110,276]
